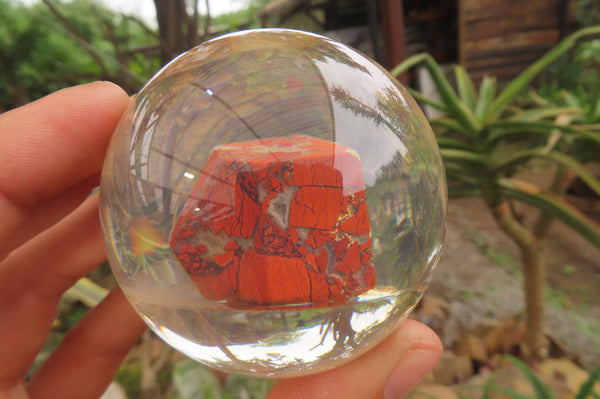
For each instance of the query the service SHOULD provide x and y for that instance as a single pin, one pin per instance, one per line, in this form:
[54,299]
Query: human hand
[51,153]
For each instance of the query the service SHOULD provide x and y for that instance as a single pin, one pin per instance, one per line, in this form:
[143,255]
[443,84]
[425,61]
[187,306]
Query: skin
[51,152]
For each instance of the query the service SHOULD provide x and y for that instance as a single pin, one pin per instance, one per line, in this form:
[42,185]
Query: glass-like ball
[273,203]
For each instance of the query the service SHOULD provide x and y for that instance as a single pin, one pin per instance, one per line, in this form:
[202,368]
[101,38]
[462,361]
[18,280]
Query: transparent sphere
[273,203]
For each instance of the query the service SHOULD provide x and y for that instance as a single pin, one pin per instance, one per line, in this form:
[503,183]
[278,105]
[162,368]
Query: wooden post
[392,21]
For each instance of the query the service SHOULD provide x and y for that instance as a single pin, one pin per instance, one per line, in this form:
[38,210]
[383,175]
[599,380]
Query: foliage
[241,19]
[74,315]
[129,376]
[41,53]
[485,142]
[61,43]
[587,12]
[87,292]
[541,390]
[574,81]
[481,155]
[192,380]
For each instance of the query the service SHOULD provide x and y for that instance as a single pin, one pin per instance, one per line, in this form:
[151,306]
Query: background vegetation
[488,134]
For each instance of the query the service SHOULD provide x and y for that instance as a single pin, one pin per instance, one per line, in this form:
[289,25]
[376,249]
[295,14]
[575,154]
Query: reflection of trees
[405,206]
[387,111]
[311,46]
[232,96]
[390,211]
[322,50]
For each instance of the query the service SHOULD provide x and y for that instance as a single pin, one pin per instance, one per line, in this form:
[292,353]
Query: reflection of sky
[375,143]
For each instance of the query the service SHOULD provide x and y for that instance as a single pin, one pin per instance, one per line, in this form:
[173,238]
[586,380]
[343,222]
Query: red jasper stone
[273,279]
[277,221]
[316,207]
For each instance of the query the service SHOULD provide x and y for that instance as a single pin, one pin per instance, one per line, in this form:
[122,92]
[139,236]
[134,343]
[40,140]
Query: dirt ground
[479,278]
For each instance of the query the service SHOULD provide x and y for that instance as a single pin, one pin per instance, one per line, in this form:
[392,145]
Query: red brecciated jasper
[277,221]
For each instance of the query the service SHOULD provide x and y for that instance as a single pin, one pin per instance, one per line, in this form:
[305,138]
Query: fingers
[57,141]
[54,260]
[47,213]
[33,278]
[91,353]
[50,146]
[393,368]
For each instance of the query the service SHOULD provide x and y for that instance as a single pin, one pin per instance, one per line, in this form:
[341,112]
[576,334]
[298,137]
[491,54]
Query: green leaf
[466,89]
[503,129]
[580,170]
[553,205]
[487,91]
[542,391]
[456,108]
[537,99]
[591,127]
[487,389]
[240,387]
[507,391]
[586,389]
[193,380]
[87,292]
[445,142]
[464,192]
[571,100]
[525,77]
[409,63]
[457,174]
[462,155]
[450,124]
[595,113]
[544,112]
[426,100]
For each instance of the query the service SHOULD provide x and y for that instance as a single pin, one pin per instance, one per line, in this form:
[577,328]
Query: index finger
[53,146]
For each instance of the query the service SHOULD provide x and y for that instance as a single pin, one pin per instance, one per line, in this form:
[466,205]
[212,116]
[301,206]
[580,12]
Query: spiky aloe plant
[484,142]
[540,389]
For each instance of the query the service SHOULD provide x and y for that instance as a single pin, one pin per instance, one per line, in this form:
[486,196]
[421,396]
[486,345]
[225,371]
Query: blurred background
[512,91]
[51,44]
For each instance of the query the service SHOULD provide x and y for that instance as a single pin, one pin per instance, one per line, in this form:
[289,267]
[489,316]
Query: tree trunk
[172,20]
[534,275]
[19,94]
[148,382]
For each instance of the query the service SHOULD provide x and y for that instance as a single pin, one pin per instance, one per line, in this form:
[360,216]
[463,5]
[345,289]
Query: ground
[479,280]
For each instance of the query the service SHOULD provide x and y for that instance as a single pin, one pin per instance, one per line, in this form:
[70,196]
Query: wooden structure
[495,37]
[502,37]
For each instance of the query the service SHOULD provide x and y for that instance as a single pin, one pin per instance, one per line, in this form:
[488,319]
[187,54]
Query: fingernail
[411,369]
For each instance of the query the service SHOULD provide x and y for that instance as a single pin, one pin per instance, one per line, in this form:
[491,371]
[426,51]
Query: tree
[45,47]
[484,144]
[179,27]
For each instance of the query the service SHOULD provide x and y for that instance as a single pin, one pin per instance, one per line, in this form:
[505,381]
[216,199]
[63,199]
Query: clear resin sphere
[273,203]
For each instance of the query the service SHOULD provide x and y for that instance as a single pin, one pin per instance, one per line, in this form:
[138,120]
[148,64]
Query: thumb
[390,370]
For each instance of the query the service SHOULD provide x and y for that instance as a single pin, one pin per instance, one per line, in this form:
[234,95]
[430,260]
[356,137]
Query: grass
[467,294]
[500,258]
[556,298]
[129,377]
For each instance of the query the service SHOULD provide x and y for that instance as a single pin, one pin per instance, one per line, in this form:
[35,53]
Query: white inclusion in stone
[279,208]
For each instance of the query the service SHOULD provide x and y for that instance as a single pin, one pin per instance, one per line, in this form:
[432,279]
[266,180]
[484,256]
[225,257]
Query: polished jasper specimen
[277,221]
